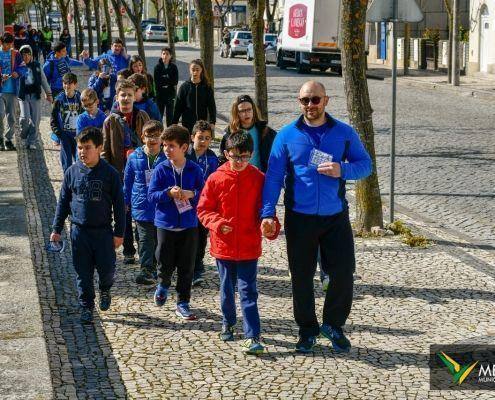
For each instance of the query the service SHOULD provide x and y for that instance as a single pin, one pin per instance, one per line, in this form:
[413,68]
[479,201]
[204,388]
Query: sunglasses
[240,158]
[313,100]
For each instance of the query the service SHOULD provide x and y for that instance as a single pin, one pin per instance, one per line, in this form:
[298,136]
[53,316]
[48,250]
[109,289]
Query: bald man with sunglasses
[312,158]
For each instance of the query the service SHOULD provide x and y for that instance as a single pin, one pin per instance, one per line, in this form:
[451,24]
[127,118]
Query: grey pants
[30,118]
[8,109]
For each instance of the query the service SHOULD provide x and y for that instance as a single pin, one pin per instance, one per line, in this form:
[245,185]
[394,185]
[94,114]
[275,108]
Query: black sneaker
[9,146]
[128,260]
[105,300]
[336,335]
[145,277]
[86,315]
[305,345]
[227,334]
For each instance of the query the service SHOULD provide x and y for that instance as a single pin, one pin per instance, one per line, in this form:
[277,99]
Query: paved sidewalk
[405,300]
[24,372]
[477,85]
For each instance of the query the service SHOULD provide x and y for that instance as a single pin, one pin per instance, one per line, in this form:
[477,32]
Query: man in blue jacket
[117,56]
[313,157]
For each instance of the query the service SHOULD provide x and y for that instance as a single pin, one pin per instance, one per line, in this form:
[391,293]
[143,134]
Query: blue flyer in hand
[56,247]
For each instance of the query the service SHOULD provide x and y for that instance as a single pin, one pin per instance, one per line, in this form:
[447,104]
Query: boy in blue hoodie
[200,153]
[65,111]
[57,65]
[92,194]
[117,56]
[11,68]
[174,188]
[138,170]
[103,81]
[141,99]
[92,116]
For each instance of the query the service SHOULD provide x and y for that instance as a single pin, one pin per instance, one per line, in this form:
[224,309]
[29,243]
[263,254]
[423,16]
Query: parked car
[146,22]
[270,40]
[239,43]
[155,32]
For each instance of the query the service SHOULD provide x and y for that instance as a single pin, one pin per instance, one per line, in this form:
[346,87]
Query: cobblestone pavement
[445,168]
[405,300]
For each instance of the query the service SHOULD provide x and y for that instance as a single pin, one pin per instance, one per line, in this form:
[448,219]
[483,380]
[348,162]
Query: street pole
[394,105]
[189,25]
[455,45]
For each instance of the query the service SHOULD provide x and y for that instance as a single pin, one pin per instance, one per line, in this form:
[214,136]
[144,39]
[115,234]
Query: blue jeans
[68,150]
[244,272]
[92,248]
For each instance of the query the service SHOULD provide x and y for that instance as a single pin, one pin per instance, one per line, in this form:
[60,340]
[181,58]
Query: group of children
[170,183]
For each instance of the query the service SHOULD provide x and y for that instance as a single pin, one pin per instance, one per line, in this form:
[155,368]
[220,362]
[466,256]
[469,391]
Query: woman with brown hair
[136,66]
[244,117]
[195,100]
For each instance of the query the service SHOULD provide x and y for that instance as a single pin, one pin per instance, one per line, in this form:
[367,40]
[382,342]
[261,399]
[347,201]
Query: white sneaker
[32,147]
[324,283]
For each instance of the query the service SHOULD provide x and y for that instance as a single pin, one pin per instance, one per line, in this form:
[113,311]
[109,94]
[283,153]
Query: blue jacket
[163,179]
[118,61]
[307,191]
[135,187]
[208,162]
[93,197]
[64,114]
[150,107]
[55,68]
[98,85]
[84,120]
[16,65]
[147,105]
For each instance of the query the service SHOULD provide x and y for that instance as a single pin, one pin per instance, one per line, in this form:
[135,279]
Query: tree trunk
[135,15]
[256,10]
[87,10]
[170,22]
[270,14]
[353,22]
[108,20]
[79,33]
[120,24]
[96,6]
[449,51]
[407,47]
[64,10]
[205,19]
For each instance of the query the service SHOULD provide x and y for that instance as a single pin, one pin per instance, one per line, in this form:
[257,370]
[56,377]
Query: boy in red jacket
[229,207]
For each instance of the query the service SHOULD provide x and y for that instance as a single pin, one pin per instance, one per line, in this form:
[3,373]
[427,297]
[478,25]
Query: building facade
[482,37]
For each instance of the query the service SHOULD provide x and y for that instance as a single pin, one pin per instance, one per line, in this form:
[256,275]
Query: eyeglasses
[246,111]
[88,104]
[152,140]
[240,158]
[306,100]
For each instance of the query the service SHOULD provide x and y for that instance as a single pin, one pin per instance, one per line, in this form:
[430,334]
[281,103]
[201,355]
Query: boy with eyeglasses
[229,207]
[92,116]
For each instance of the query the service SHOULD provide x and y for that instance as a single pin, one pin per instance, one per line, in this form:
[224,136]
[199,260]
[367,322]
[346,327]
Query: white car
[270,41]
[155,32]
[239,42]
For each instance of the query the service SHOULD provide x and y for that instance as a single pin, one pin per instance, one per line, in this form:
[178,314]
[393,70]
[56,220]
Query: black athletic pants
[333,234]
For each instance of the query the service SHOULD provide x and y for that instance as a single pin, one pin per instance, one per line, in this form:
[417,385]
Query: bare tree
[160,9]
[170,22]
[79,32]
[108,20]
[118,16]
[64,10]
[270,14]
[225,6]
[135,12]
[96,6]
[256,11]
[353,22]
[204,14]
[87,10]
